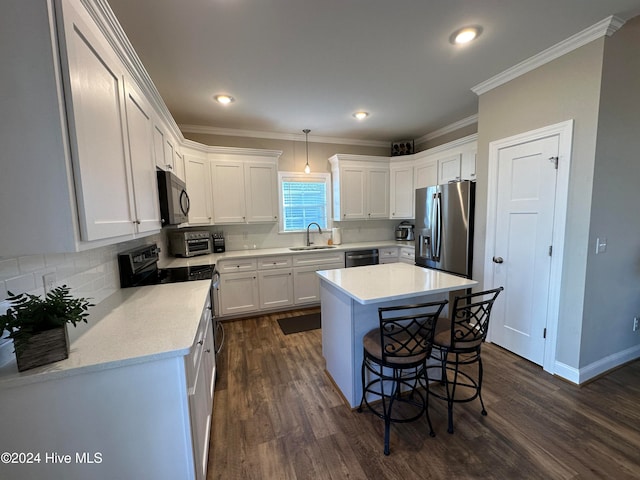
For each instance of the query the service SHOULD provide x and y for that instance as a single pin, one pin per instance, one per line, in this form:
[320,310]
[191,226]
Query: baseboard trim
[597,368]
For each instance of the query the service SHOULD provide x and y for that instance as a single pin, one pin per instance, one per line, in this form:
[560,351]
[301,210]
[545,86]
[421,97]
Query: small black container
[218,242]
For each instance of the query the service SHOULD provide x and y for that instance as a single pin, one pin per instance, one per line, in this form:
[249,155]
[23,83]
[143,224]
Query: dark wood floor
[278,416]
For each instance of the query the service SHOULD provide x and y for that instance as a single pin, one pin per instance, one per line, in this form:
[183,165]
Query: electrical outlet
[635,324]
[49,282]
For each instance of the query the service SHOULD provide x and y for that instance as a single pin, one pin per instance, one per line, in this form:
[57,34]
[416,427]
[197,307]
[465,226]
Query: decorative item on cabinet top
[405,147]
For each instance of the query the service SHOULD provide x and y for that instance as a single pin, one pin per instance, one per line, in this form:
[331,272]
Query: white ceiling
[294,64]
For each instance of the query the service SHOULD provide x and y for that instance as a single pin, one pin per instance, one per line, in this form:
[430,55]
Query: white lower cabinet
[407,255]
[239,293]
[388,255]
[275,281]
[276,288]
[238,286]
[250,285]
[201,370]
[306,284]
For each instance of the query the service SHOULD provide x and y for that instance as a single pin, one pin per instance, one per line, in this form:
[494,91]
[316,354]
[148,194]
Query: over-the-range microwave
[174,201]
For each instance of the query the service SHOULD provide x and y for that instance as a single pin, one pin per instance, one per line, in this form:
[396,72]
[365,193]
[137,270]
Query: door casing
[564,130]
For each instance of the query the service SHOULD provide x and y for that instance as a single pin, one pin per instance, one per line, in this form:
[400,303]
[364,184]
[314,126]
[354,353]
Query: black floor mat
[301,323]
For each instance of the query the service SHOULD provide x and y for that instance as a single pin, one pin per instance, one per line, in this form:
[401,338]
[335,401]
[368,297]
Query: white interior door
[527,176]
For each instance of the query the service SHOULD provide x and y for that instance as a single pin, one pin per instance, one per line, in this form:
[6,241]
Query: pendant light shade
[307,168]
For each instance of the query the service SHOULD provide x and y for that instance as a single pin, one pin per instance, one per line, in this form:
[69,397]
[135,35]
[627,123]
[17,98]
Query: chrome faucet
[319,231]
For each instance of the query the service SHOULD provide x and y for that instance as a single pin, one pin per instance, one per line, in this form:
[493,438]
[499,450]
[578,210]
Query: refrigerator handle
[436,233]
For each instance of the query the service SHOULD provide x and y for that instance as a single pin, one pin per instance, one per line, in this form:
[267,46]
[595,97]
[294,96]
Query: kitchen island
[350,298]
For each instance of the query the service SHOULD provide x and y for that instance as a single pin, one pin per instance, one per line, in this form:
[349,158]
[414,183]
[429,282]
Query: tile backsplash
[267,235]
[92,273]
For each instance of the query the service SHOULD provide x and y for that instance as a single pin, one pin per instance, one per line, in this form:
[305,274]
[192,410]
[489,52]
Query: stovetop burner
[139,267]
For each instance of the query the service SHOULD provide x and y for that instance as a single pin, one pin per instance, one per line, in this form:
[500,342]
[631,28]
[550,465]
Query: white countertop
[133,325]
[392,281]
[265,252]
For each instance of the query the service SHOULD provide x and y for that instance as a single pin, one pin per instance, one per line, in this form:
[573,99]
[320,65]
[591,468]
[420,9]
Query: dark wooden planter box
[41,348]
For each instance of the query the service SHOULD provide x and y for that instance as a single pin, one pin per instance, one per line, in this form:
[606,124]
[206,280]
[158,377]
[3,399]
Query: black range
[139,267]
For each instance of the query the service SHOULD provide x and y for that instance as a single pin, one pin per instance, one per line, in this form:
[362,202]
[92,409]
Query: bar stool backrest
[470,319]
[407,331]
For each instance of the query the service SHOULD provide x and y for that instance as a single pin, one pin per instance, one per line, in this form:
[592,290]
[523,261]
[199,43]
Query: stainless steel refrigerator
[444,227]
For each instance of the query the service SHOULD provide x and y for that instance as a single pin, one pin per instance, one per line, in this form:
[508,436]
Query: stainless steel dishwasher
[358,258]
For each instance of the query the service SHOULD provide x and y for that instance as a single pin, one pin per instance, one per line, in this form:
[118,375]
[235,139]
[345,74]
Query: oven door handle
[221,328]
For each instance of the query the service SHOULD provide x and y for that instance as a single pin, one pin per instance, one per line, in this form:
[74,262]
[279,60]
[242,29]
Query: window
[304,198]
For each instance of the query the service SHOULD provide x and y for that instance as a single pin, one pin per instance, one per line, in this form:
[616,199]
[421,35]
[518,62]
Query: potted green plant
[38,326]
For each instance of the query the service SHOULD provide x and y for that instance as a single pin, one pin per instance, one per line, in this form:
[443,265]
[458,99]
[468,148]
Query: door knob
[497,260]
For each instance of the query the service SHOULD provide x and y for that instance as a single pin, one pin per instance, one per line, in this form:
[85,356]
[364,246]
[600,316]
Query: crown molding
[607,27]
[296,137]
[465,122]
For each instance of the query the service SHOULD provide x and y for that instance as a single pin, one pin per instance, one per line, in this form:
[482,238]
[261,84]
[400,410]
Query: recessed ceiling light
[361,115]
[224,99]
[465,35]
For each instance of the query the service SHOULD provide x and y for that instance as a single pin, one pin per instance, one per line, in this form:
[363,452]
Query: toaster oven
[190,244]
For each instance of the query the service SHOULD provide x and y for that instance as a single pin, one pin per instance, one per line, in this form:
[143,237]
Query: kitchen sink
[311,247]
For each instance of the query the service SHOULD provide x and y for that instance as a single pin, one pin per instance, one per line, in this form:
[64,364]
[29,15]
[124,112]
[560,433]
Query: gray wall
[612,293]
[448,137]
[566,88]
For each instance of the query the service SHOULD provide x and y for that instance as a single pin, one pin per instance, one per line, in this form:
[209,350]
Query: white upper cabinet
[402,193]
[178,165]
[111,125]
[352,196]
[468,164]
[261,191]
[198,187]
[81,138]
[96,114]
[143,166]
[244,185]
[377,189]
[426,173]
[360,187]
[449,169]
[158,146]
[227,181]
[457,162]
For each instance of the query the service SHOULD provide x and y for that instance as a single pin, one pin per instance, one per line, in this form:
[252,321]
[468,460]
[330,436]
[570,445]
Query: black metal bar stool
[395,356]
[458,341]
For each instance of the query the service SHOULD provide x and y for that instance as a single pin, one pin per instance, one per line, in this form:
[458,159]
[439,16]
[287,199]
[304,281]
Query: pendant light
[307,168]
